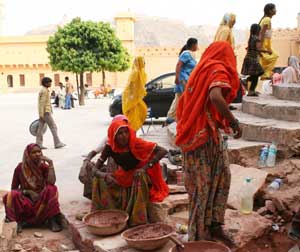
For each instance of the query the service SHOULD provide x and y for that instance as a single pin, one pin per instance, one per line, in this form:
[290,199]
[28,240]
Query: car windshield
[165,82]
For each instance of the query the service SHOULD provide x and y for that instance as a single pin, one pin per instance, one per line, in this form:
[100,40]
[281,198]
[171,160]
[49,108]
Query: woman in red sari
[33,199]
[202,112]
[138,180]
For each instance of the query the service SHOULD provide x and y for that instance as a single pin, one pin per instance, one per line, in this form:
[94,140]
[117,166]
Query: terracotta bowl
[147,243]
[106,222]
[203,246]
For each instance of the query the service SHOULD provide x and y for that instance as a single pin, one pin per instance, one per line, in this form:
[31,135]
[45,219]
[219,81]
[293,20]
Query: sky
[21,16]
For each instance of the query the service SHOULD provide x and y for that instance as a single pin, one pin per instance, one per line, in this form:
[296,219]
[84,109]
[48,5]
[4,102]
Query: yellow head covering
[224,32]
[133,105]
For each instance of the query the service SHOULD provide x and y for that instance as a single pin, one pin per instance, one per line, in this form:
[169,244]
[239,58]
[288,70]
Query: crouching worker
[138,179]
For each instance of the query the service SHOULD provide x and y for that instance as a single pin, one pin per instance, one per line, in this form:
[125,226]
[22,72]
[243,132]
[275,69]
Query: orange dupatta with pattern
[194,112]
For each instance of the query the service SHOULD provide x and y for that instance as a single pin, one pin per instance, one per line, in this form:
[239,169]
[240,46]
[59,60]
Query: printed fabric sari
[31,176]
[133,105]
[135,188]
[205,160]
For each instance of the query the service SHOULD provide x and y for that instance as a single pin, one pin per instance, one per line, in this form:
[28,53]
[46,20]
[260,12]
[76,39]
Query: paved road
[80,128]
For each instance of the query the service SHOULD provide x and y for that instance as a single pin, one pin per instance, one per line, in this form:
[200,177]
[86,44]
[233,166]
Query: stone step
[272,108]
[287,91]
[268,130]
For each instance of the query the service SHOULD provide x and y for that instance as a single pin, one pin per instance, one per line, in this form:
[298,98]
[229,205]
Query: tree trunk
[77,85]
[103,78]
[82,89]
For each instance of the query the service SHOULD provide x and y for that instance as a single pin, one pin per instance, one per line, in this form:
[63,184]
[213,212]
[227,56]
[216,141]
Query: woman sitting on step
[136,182]
[33,199]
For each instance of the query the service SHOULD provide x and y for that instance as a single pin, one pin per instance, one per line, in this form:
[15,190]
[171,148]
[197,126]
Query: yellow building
[24,60]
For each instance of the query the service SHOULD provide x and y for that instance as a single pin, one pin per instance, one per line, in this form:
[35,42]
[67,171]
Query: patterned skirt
[134,200]
[251,66]
[207,180]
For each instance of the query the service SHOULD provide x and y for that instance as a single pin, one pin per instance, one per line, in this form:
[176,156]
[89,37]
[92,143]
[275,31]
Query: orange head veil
[217,64]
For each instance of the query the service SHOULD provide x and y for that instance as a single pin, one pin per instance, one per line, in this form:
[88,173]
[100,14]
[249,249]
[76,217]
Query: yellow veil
[133,105]
[224,32]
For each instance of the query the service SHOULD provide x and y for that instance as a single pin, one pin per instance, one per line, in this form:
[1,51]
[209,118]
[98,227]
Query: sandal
[217,233]
[54,226]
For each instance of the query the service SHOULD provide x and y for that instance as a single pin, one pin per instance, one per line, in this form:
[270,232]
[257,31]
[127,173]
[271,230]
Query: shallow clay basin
[201,246]
[148,237]
[106,222]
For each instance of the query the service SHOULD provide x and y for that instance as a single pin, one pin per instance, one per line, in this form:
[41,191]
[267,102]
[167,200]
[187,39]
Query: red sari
[30,176]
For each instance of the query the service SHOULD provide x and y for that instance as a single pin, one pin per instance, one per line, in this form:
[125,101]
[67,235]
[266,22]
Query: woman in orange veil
[202,112]
[138,180]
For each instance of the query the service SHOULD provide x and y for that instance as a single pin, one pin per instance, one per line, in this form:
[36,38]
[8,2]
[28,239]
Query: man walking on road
[45,115]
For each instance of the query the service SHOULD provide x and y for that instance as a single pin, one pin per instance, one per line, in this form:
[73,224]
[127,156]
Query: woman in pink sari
[33,199]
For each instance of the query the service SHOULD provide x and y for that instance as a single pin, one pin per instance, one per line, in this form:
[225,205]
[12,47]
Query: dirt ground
[49,241]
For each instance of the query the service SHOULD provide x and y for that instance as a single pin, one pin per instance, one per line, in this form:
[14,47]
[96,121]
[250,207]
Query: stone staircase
[272,118]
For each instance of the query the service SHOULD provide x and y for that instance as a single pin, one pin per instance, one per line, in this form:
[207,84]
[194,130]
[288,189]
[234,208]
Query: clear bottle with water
[275,185]
[271,160]
[263,156]
[247,197]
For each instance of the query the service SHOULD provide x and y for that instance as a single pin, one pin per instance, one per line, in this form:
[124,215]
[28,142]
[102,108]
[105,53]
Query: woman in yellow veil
[224,32]
[133,105]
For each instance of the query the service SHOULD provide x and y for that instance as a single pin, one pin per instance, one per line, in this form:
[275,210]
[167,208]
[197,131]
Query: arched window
[10,81]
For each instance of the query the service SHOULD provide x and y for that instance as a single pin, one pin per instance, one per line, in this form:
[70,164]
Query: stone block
[245,228]
[268,130]
[272,108]
[176,189]
[9,230]
[238,175]
[109,244]
[159,210]
[287,91]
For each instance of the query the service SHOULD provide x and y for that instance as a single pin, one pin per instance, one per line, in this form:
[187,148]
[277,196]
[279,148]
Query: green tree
[86,46]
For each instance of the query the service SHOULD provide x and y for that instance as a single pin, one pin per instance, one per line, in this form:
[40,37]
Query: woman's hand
[236,128]
[109,179]
[46,159]
[95,172]
[32,195]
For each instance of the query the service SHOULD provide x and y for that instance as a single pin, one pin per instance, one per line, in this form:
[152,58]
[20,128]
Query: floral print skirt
[207,180]
[134,200]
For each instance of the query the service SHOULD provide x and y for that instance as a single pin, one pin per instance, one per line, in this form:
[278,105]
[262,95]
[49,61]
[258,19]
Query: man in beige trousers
[45,115]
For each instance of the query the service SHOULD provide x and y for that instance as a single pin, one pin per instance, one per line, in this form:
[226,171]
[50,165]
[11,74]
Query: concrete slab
[238,176]
[268,130]
[287,91]
[270,107]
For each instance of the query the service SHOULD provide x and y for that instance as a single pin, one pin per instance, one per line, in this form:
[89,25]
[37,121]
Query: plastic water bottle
[263,156]
[275,185]
[271,160]
[247,197]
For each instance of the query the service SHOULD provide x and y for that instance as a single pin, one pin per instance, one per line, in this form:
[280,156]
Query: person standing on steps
[224,32]
[203,111]
[185,65]
[251,65]
[268,60]
[45,115]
